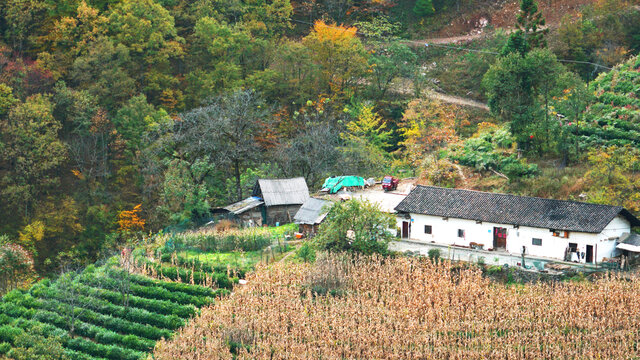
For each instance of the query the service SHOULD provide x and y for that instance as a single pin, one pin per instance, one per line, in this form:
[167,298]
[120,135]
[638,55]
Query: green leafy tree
[7,101]
[33,346]
[530,32]
[103,72]
[389,62]
[31,152]
[135,119]
[24,20]
[185,191]
[146,29]
[356,226]
[424,8]
[365,142]
[519,89]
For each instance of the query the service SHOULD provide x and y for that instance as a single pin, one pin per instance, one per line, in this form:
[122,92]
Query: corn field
[409,308]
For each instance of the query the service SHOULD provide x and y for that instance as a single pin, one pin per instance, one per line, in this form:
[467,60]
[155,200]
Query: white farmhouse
[565,230]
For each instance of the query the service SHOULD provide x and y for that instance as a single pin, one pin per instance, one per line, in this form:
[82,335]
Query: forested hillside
[124,117]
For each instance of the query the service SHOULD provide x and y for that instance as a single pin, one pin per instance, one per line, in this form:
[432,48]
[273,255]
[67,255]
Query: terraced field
[102,313]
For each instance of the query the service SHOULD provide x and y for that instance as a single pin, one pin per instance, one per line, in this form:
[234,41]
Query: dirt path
[447,40]
[458,100]
[406,88]
[286,256]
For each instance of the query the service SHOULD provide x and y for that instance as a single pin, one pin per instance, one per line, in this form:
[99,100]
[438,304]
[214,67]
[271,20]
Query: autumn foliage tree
[130,220]
[340,55]
[428,125]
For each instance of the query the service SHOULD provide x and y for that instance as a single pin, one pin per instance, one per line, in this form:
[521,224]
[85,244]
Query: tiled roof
[512,209]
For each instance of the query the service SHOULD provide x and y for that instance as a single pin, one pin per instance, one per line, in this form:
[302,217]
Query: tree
[530,30]
[31,152]
[25,18]
[16,266]
[424,8]
[427,126]
[72,36]
[389,62]
[516,87]
[368,127]
[365,142]
[146,29]
[102,71]
[67,285]
[135,119]
[185,191]
[226,132]
[7,101]
[339,53]
[312,152]
[611,177]
[33,346]
[356,226]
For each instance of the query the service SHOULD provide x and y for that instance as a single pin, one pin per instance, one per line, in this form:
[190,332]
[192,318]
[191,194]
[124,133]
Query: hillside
[140,128]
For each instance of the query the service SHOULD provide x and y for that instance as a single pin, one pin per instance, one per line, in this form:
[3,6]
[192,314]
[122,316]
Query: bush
[356,226]
[434,254]
[306,252]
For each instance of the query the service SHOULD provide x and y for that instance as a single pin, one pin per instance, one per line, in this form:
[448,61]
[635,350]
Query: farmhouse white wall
[446,232]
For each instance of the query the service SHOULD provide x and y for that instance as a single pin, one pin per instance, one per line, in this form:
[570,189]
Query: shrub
[306,252]
[434,254]
[356,226]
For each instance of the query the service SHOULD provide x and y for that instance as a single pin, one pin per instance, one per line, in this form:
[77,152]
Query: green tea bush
[162,323]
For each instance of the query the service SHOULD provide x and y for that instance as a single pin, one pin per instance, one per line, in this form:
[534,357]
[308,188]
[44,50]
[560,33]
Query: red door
[405,229]
[499,238]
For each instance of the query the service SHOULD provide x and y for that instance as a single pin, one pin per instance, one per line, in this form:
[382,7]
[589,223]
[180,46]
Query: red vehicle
[389,183]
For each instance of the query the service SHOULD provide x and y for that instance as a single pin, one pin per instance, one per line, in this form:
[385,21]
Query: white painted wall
[446,232]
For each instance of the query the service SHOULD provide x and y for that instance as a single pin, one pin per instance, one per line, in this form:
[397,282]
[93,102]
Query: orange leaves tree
[130,221]
[339,54]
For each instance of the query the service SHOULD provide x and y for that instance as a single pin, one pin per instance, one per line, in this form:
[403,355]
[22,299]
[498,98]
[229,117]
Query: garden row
[101,313]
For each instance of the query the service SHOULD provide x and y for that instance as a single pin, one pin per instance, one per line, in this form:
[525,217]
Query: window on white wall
[427,229]
[537,242]
[460,233]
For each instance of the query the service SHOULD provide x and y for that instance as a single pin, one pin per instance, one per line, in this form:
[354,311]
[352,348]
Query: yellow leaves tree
[72,37]
[130,220]
[428,125]
[612,177]
[339,54]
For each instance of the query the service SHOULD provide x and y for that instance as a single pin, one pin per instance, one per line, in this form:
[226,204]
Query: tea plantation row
[101,313]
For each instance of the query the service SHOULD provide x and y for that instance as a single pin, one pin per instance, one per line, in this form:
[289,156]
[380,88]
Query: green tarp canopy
[334,184]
